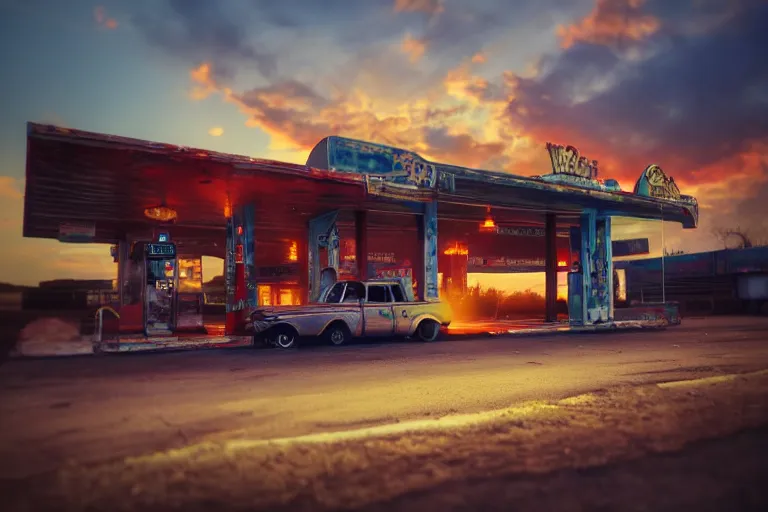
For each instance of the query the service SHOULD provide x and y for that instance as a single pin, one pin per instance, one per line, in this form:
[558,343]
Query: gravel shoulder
[410,466]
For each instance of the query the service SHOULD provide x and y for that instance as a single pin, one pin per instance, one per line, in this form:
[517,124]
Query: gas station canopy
[79,177]
[75,177]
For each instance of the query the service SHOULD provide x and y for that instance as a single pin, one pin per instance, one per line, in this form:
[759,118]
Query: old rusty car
[353,309]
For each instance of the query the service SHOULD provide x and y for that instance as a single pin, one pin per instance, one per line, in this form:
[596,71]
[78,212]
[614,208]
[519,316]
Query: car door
[401,311]
[377,309]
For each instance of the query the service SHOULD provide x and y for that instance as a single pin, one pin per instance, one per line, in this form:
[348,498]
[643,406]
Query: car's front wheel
[284,337]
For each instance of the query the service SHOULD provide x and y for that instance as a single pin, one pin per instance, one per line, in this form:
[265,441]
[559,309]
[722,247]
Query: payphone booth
[162,290]
[161,277]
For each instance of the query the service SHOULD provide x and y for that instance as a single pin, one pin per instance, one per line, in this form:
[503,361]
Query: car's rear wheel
[428,330]
[284,337]
[337,334]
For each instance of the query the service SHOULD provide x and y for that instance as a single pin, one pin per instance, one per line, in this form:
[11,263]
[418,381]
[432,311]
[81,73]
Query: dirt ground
[724,475]
[597,451]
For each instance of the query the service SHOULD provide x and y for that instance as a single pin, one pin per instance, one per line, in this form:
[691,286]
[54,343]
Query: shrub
[478,303]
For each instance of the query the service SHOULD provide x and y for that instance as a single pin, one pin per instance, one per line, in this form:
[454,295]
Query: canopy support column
[428,235]
[595,289]
[319,230]
[240,270]
[550,289]
[361,244]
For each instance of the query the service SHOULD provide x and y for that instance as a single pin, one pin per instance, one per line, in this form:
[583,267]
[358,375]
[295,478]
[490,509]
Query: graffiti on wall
[393,164]
[599,300]
[430,251]
[596,269]
[661,314]
[417,172]
[229,265]
[248,239]
[655,183]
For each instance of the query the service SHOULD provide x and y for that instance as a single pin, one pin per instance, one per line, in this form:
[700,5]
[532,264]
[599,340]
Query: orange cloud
[427,6]
[461,84]
[203,82]
[296,117]
[465,120]
[9,188]
[479,58]
[216,131]
[459,146]
[102,20]
[413,47]
[610,22]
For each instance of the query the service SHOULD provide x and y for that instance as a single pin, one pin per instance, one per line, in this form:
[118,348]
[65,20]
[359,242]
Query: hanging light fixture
[488,225]
[457,249]
[161,213]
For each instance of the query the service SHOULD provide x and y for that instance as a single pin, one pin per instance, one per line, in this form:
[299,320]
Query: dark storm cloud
[463,28]
[751,211]
[343,14]
[201,30]
[449,147]
[701,97]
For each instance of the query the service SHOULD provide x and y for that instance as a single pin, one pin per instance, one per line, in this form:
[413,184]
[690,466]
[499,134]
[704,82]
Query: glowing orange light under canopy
[456,250]
[562,263]
[161,213]
[488,224]
[293,252]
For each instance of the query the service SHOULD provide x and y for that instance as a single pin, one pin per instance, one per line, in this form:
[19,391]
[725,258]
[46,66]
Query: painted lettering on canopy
[533,232]
[654,182]
[567,161]
[388,163]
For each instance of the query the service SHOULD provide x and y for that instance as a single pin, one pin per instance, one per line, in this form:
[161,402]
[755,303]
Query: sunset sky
[483,83]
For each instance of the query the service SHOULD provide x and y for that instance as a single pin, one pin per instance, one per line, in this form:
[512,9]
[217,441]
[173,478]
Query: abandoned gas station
[363,209]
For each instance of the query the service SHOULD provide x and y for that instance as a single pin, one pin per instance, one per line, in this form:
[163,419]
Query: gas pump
[160,272]
[576,295]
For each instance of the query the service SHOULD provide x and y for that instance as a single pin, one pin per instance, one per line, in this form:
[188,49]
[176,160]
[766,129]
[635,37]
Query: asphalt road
[93,409]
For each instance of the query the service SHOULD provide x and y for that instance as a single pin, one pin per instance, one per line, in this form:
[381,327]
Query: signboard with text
[633,247]
[77,232]
[567,161]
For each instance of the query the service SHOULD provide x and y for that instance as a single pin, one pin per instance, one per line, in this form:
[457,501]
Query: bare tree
[733,238]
